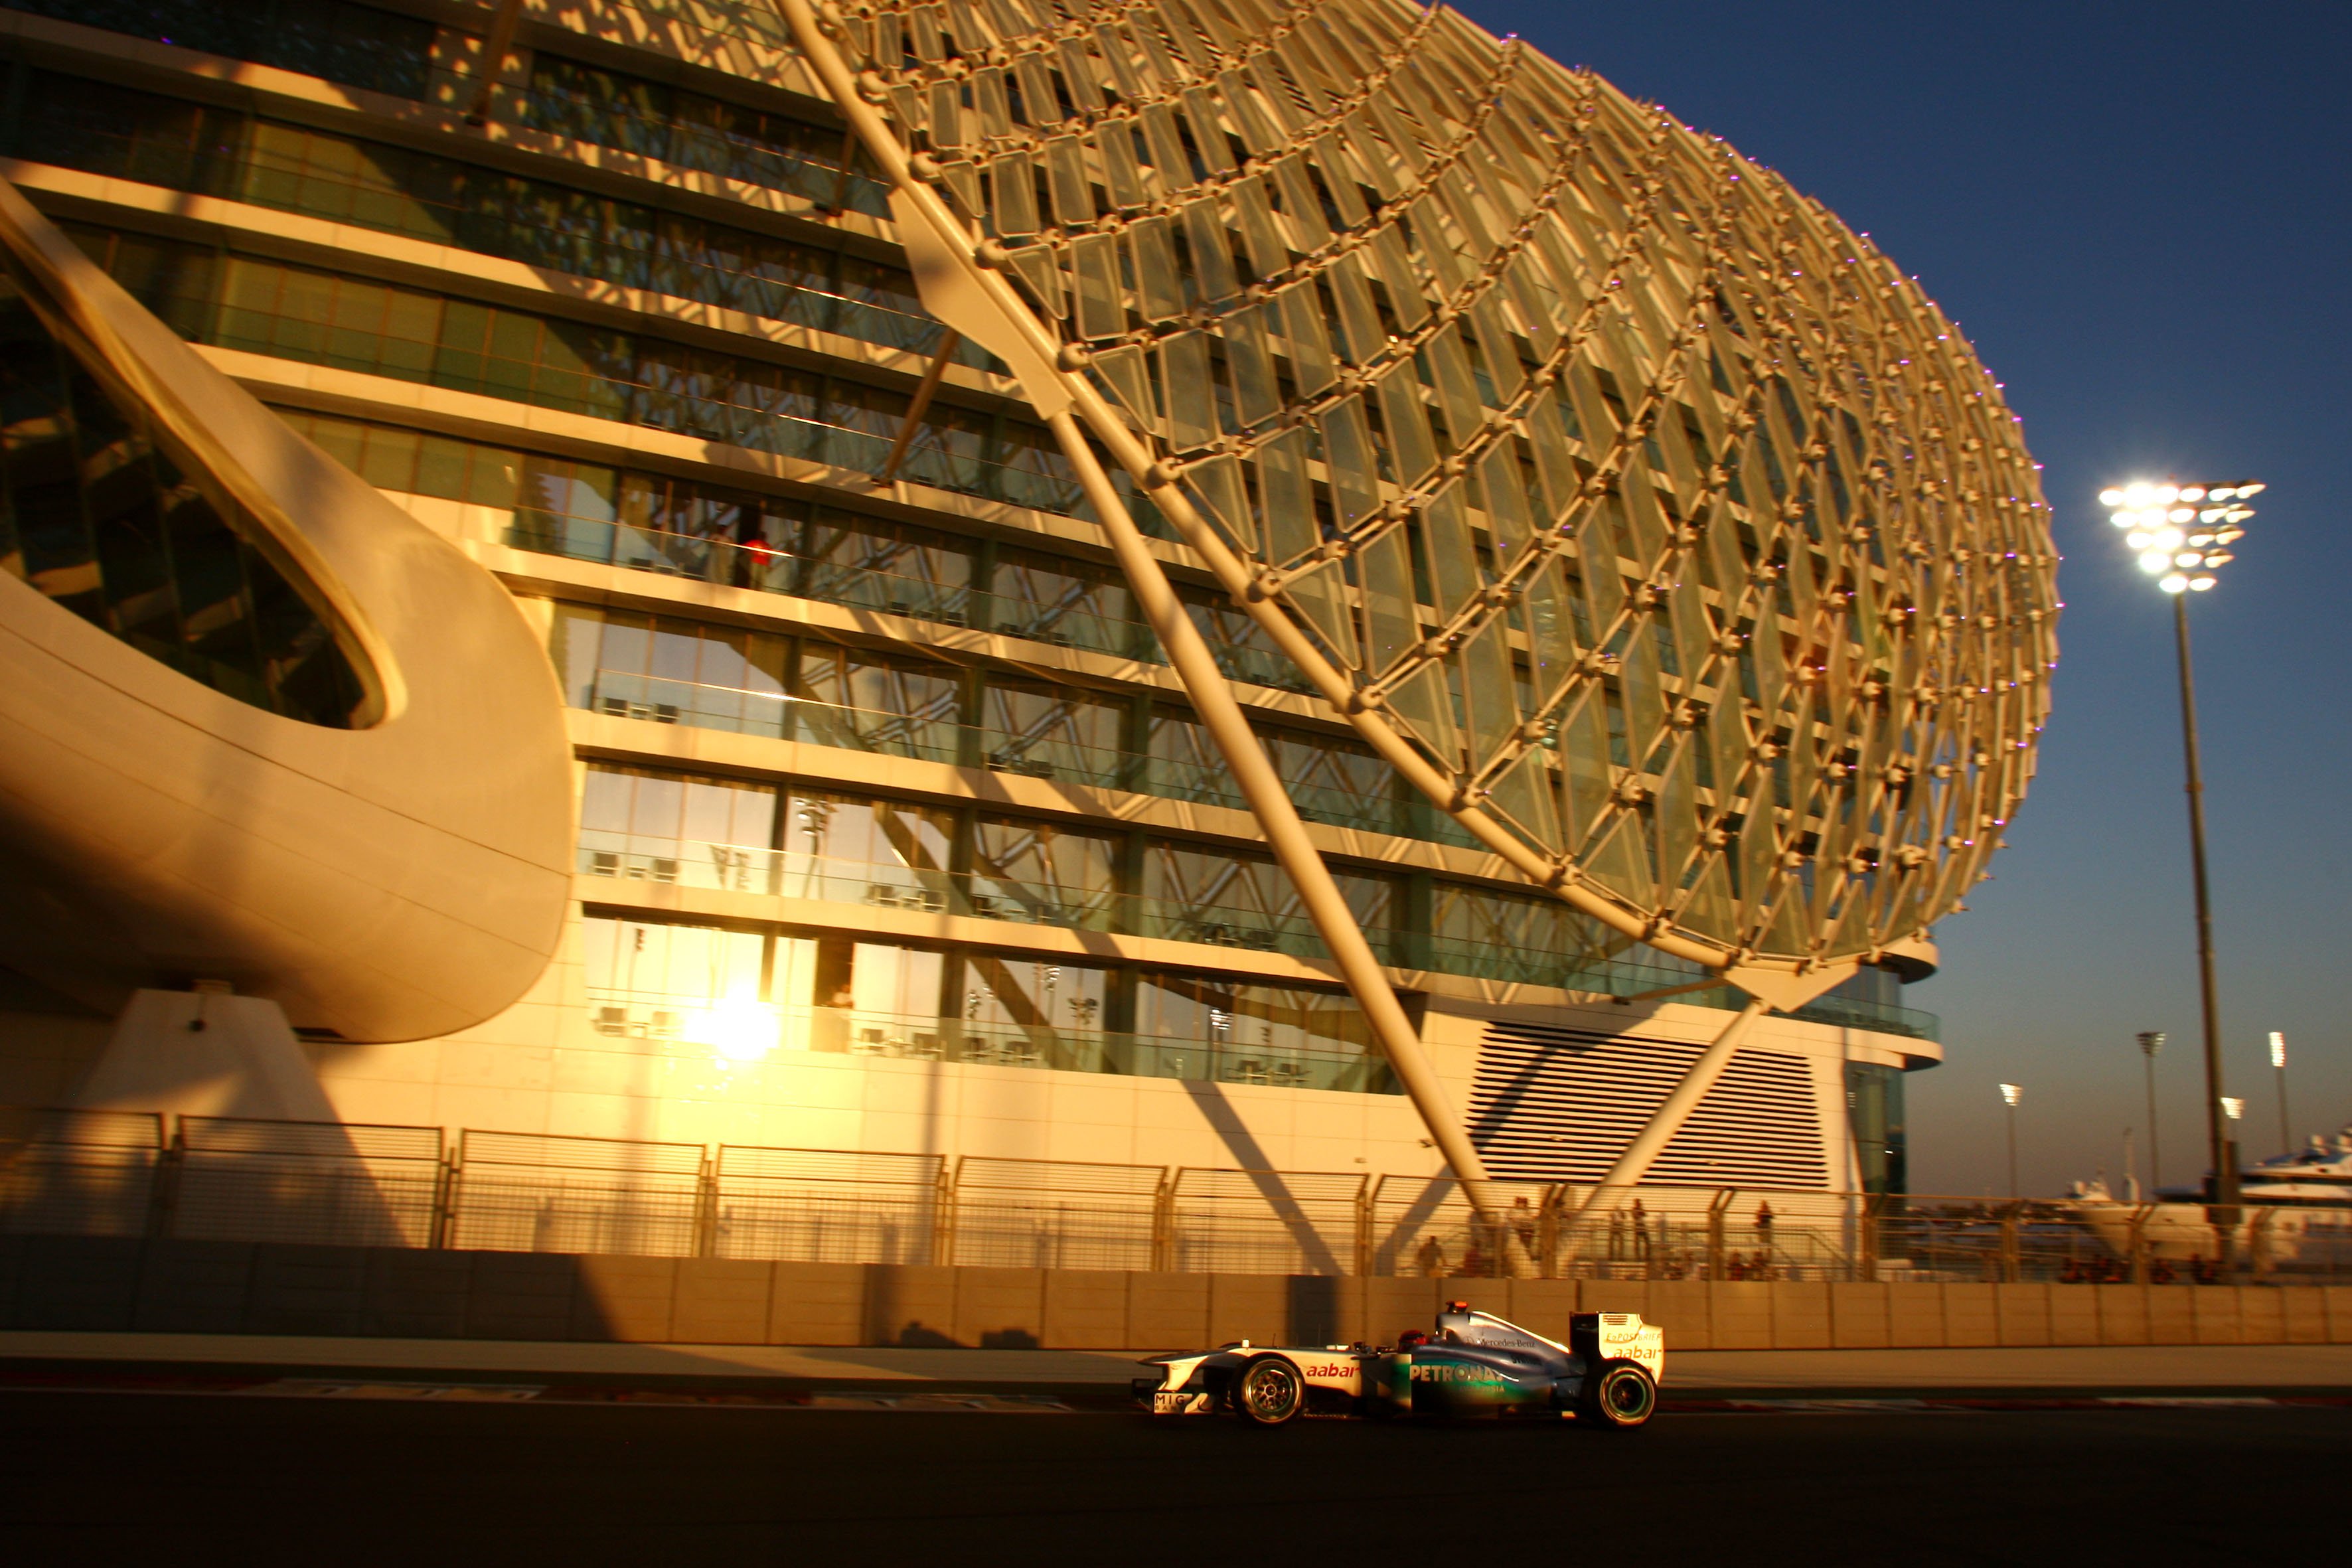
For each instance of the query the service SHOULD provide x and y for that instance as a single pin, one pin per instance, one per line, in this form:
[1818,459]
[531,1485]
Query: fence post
[706,1207]
[1718,1264]
[445,1201]
[1364,1191]
[164,1193]
[1865,1252]
[943,1215]
[1547,1232]
[2258,1243]
[2140,1217]
[1163,1222]
[2010,1264]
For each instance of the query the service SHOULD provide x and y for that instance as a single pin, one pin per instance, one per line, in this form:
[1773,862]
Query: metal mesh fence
[1425,1225]
[329,1182]
[827,1207]
[1051,1214]
[78,1173]
[1708,1233]
[96,1173]
[515,1192]
[1265,1222]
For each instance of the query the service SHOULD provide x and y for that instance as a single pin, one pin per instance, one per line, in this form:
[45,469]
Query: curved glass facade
[269,307]
[96,516]
[75,123]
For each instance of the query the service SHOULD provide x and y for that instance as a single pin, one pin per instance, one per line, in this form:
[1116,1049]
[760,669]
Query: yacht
[2297,1207]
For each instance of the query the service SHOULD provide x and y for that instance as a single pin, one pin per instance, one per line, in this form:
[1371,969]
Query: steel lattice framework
[1642,513]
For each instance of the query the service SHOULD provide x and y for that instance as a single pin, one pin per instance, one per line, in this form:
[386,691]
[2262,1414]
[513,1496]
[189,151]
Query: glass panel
[357,44]
[1391,620]
[1191,398]
[653,961]
[1042,872]
[1052,732]
[1486,688]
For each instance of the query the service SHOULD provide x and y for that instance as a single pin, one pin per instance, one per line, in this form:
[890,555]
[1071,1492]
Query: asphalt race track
[103,1478]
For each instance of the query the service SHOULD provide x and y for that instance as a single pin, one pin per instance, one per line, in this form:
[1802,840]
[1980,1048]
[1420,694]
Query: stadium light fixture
[2181,534]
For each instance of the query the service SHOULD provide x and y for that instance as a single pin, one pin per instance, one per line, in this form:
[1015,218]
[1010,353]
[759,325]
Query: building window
[1261,1034]
[655,119]
[1046,731]
[358,45]
[689,832]
[652,980]
[1873,1099]
[1231,899]
[886,854]
[671,672]
[322,318]
[1044,873]
[76,123]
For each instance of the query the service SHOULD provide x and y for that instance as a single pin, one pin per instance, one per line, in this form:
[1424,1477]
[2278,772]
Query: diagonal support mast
[1667,1120]
[950,342]
[1286,831]
[979,305]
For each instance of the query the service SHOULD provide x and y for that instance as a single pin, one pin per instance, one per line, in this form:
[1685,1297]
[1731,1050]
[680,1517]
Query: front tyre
[1270,1391]
[1621,1398]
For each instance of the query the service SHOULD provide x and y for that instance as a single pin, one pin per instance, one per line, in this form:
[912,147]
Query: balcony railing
[735,566]
[763,710]
[742,1031]
[979,894]
[786,873]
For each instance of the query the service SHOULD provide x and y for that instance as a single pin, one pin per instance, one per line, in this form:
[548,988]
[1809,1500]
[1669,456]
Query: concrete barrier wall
[223,1287]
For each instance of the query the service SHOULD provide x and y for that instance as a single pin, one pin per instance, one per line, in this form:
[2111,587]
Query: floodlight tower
[2183,535]
[2151,1041]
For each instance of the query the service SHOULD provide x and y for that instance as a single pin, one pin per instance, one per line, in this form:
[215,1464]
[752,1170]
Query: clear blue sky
[2141,214]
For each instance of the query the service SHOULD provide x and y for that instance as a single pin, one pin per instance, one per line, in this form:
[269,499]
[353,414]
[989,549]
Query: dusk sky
[2141,216]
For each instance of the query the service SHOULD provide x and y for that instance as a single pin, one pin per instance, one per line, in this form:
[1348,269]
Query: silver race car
[1474,1365]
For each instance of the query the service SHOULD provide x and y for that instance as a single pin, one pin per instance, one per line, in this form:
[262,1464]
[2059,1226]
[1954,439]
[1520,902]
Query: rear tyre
[1270,1391]
[1621,1398]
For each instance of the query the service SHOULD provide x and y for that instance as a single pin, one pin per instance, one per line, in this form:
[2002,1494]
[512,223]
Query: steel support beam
[495,49]
[979,303]
[1651,1141]
[920,406]
[1285,833]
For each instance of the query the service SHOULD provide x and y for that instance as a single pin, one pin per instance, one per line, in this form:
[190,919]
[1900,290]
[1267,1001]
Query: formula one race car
[1474,1365]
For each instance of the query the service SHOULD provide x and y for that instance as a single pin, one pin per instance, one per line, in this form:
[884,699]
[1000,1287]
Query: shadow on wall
[259,1148]
[1318,1315]
[1250,1157]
